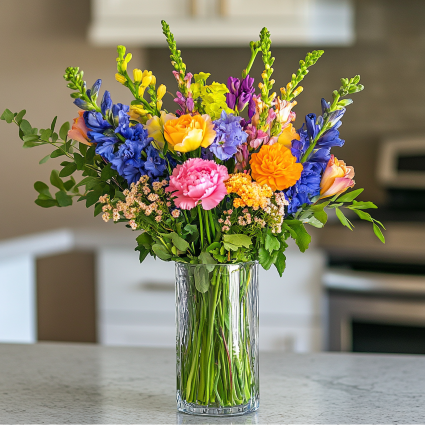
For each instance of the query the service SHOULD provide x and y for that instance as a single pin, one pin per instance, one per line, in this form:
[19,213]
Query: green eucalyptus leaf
[42,188]
[25,127]
[45,159]
[7,116]
[31,138]
[30,144]
[63,132]
[56,181]
[98,209]
[64,200]
[47,203]
[179,242]
[45,134]
[161,252]
[19,116]
[79,160]
[92,198]
[68,169]
[53,125]
[56,153]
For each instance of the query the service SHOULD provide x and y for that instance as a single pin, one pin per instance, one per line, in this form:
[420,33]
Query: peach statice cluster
[222,176]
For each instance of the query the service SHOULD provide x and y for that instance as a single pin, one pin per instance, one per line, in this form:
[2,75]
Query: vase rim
[242,263]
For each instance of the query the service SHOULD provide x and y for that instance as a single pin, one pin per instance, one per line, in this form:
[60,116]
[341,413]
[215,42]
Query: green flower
[214,99]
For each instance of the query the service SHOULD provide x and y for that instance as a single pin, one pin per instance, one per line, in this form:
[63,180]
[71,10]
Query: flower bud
[137,75]
[120,78]
[141,91]
[161,92]
[153,81]
[146,81]
[260,86]
[298,90]
[146,73]
[123,65]
[128,57]
[159,105]
[289,86]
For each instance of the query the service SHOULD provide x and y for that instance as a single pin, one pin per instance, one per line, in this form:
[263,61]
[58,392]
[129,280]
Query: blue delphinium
[127,147]
[308,186]
[229,135]
[137,157]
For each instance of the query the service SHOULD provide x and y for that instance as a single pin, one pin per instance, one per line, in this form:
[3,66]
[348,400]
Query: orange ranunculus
[288,134]
[79,130]
[276,166]
[337,178]
[187,133]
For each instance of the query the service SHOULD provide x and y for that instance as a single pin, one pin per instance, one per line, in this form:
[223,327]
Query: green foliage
[297,230]
[238,240]
[202,279]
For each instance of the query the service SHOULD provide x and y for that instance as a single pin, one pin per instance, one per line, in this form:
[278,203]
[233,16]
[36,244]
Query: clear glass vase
[217,338]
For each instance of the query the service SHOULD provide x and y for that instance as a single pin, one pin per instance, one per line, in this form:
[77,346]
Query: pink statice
[198,181]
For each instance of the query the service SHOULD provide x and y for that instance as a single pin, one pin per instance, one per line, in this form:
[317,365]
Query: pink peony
[198,180]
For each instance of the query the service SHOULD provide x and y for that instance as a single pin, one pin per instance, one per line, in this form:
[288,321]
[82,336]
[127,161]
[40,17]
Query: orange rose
[79,130]
[288,134]
[276,166]
[188,133]
[337,178]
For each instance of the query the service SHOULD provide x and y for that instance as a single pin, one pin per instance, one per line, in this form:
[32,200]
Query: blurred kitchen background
[67,276]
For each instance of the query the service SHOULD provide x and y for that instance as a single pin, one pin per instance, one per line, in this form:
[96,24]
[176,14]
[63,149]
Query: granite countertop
[74,383]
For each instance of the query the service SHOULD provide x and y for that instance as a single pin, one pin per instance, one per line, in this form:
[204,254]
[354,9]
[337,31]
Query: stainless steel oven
[375,312]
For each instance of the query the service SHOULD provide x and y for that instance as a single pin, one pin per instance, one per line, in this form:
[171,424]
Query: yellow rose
[155,127]
[288,134]
[187,133]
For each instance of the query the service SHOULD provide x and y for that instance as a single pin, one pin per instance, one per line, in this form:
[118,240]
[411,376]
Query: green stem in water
[198,346]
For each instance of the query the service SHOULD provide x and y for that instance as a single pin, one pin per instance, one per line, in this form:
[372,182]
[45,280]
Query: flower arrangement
[225,179]
[206,183]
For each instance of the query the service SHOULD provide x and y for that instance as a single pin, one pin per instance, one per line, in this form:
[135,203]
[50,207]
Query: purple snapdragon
[240,94]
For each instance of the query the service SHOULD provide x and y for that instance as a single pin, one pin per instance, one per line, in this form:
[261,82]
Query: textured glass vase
[217,339]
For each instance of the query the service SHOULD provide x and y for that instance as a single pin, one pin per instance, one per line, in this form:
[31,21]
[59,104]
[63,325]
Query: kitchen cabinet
[133,304]
[215,23]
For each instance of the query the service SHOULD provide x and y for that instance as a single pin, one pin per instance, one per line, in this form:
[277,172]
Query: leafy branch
[334,111]
[316,216]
